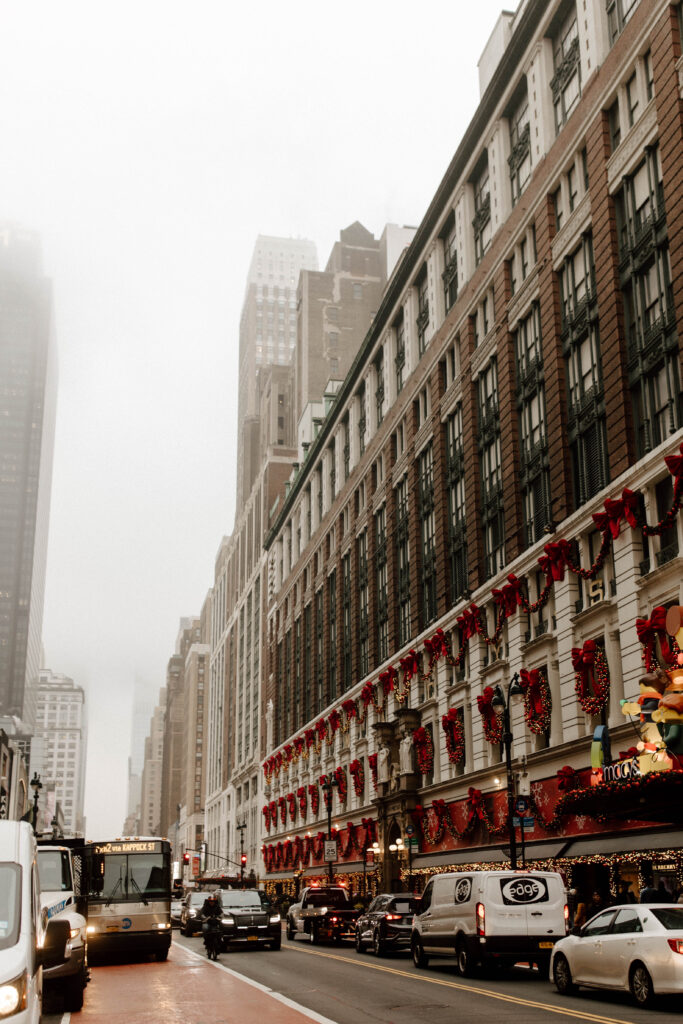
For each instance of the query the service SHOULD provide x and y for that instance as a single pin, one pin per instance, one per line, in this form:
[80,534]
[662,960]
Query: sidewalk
[187,989]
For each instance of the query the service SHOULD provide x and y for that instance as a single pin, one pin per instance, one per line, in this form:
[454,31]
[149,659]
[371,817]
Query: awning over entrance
[625,843]
[489,855]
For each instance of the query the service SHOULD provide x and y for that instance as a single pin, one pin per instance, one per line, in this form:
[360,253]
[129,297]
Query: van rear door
[505,907]
[530,905]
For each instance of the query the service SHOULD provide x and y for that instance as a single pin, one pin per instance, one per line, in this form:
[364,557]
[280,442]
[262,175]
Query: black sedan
[248,920]
[386,924]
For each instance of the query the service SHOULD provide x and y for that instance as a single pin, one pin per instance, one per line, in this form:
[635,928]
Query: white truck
[58,900]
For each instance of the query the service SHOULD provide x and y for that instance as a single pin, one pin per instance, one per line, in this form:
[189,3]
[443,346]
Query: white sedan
[638,948]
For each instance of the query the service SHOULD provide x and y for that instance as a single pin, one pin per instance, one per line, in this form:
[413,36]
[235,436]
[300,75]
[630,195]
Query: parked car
[191,912]
[248,920]
[387,923]
[176,911]
[638,948]
[490,917]
[324,912]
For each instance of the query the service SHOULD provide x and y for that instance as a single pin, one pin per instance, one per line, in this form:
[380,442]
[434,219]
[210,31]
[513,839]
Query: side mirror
[53,951]
[576,930]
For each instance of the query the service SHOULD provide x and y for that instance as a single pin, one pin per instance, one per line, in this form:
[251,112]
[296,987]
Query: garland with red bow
[301,796]
[358,775]
[452,725]
[653,629]
[372,761]
[441,812]
[282,804]
[327,793]
[266,816]
[592,677]
[291,803]
[424,749]
[342,785]
[492,722]
[314,794]
[555,560]
[538,702]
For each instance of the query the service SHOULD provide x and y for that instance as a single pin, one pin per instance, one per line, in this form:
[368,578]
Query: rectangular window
[422,321]
[519,160]
[566,82]
[362,419]
[618,14]
[319,652]
[400,360]
[403,560]
[346,622]
[363,600]
[332,618]
[482,212]
[457,526]
[632,99]
[490,466]
[428,535]
[379,390]
[381,583]
[649,76]
[614,122]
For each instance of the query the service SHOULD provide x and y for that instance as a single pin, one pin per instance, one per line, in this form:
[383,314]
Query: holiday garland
[314,794]
[493,725]
[358,775]
[301,795]
[538,704]
[558,557]
[372,761]
[452,725]
[424,749]
[342,785]
[266,817]
[592,678]
[291,803]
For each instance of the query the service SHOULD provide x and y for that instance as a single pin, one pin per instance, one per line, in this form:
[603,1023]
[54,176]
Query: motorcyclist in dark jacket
[212,911]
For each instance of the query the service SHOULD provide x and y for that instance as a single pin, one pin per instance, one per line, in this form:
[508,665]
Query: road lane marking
[303,1010]
[504,997]
[65,1019]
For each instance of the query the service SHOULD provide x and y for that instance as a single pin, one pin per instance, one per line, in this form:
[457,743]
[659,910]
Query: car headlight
[274,919]
[13,996]
[91,929]
[74,932]
[193,913]
[227,920]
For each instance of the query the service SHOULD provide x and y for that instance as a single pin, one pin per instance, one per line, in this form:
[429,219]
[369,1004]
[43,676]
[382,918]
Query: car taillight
[481,919]
[393,917]
[333,920]
[676,945]
[566,919]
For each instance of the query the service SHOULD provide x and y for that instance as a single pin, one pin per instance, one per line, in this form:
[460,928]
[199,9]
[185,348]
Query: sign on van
[524,890]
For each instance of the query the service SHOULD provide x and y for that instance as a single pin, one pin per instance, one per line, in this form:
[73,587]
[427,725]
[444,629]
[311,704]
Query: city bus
[127,883]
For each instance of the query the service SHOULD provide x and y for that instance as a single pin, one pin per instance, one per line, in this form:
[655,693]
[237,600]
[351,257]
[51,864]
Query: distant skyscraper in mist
[267,337]
[27,415]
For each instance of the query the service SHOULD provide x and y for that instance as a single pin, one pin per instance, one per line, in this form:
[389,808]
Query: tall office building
[267,336]
[27,414]
[61,723]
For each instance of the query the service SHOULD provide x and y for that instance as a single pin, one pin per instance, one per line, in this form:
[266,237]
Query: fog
[149,143]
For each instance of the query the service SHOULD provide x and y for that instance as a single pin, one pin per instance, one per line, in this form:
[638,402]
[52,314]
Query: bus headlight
[274,919]
[91,929]
[163,924]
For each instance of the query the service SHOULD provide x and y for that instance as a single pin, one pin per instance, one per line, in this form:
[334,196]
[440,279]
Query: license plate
[252,938]
[546,945]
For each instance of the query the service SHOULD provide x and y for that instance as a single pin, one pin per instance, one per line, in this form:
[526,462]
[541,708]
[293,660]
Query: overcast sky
[149,143]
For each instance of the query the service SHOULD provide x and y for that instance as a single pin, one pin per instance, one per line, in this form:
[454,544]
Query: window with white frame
[566,82]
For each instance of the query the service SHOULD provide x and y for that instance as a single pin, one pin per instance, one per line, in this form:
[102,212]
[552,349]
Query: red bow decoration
[509,597]
[583,660]
[372,761]
[309,737]
[410,665]
[648,630]
[476,806]
[437,646]
[469,622]
[321,728]
[299,746]
[369,826]
[291,802]
[278,761]
[314,794]
[531,685]
[566,778]
[367,694]
[631,752]
[554,562]
[493,728]
[266,816]
[282,804]
[350,709]
[388,679]
[674,463]
[617,509]
[287,752]
[334,721]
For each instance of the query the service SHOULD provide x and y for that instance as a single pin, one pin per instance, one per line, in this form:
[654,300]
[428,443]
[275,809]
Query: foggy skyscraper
[27,414]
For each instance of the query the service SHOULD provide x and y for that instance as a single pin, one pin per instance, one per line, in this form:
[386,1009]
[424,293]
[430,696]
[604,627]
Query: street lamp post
[499,701]
[36,785]
[327,786]
[241,828]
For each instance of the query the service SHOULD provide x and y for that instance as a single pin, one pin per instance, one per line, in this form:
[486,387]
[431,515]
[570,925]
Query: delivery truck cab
[25,942]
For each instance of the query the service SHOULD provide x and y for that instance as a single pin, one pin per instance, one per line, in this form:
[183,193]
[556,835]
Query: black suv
[386,923]
[249,920]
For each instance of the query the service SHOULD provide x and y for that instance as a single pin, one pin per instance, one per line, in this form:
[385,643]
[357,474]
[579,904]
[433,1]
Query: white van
[490,917]
[25,942]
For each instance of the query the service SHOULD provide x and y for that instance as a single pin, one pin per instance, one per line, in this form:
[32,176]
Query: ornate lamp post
[328,785]
[500,701]
[36,785]
[243,859]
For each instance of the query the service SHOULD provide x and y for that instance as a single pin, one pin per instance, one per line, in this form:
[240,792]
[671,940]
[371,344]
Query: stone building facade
[523,367]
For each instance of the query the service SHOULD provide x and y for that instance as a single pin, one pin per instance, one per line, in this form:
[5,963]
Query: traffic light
[244,860]
[186,858]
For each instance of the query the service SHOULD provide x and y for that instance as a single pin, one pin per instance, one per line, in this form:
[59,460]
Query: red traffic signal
[244,859]
[186,858]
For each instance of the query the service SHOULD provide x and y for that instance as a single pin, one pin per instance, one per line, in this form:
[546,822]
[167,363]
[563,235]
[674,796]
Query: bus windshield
[129,876]
[10,904]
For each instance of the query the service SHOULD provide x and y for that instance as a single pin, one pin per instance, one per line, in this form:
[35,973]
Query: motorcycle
[212,937]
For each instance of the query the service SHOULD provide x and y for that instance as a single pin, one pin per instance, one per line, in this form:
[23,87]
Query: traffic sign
[413,843]
[330,849]
[522,804]
[410,830]
[517,822]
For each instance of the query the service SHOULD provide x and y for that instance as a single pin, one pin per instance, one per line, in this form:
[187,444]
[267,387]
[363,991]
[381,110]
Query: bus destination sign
[131,846]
